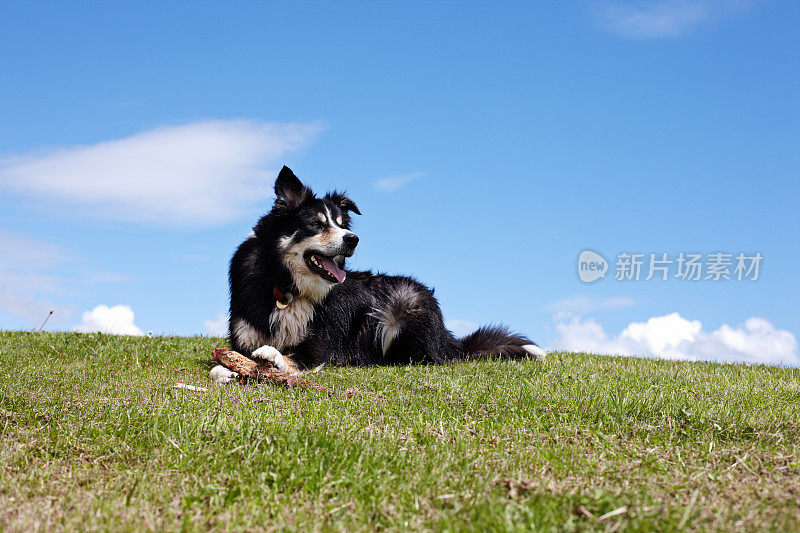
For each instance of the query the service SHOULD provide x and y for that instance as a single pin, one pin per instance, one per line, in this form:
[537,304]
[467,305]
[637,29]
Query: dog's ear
[288,189]
[345,203]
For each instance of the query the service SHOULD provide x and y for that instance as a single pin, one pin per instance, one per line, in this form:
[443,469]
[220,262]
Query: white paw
[269,353]
[220,375]
[535,351]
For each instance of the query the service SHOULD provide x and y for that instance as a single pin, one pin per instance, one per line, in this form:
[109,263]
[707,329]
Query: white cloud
[117,320]
[392,183]
[460,327]
[201,173]
[663,19]
[672,336]
[583,304]
[217,326]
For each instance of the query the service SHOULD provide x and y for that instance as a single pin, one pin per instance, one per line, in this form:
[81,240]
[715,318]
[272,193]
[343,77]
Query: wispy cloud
[117,320]
[20,251]
[30,296]
[26,288]
[663,19]
[217,326]
[196,174]
[92,277]
[460,327]
[584,304]
[392,183]
[672,336]
[37,276]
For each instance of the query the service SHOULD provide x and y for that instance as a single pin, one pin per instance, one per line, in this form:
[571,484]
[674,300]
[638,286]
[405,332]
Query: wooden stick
[248,368]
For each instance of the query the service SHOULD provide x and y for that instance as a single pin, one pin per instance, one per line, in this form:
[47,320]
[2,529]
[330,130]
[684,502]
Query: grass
[94,438]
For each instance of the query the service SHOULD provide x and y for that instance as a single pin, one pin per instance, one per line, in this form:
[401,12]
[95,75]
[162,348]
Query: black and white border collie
[294,304]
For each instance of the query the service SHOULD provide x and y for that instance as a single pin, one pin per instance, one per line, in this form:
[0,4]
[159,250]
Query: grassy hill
[93,437]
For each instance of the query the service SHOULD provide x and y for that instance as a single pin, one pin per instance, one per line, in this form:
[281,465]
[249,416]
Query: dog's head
[314,236]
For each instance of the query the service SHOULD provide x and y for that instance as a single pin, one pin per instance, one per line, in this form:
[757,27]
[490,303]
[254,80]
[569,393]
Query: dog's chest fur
[289,325]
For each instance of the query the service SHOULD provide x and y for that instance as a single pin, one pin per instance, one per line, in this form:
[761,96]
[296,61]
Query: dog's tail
[494,341]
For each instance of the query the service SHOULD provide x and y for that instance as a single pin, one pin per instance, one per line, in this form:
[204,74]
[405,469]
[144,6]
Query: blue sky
[487,145]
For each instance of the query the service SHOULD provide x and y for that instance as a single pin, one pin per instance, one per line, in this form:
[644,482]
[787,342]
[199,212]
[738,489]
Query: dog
[293,303]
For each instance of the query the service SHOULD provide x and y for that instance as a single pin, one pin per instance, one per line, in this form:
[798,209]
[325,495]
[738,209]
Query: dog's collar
[281,300]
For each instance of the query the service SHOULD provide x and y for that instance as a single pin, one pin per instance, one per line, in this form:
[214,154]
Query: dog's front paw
[284,363]
[269,353]
[220,375]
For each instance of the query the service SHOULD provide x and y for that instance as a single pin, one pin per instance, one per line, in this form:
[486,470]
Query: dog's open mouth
[326,267]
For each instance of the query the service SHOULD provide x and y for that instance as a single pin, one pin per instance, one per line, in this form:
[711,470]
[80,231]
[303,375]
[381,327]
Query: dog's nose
[350,240]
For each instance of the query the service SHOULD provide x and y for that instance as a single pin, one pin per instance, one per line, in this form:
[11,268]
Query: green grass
[94,438]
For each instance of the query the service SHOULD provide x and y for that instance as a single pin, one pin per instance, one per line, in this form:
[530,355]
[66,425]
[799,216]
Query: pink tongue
[331,267]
